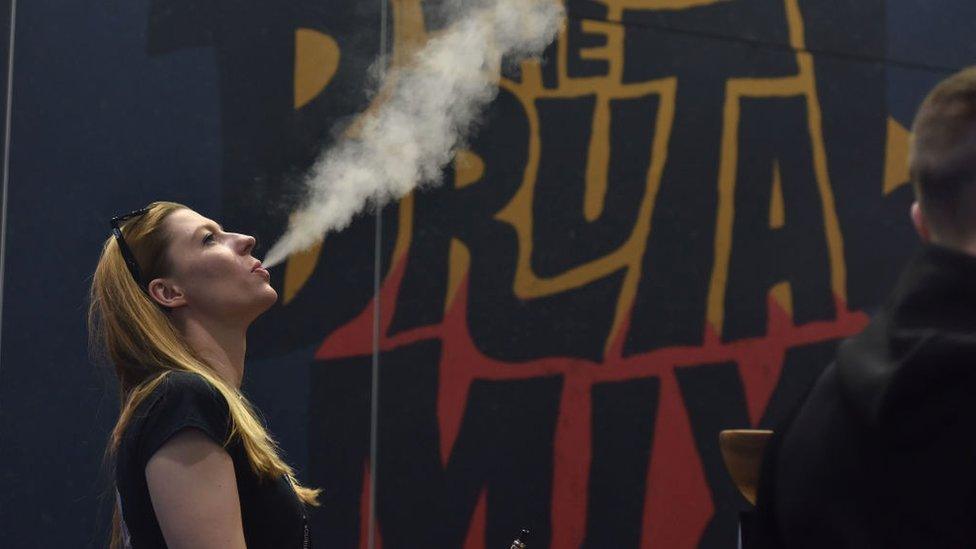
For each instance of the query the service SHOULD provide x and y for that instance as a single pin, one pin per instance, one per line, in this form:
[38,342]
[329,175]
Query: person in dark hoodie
[882,451]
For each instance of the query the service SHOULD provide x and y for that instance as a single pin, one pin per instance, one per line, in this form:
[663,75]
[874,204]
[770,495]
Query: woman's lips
[263,272]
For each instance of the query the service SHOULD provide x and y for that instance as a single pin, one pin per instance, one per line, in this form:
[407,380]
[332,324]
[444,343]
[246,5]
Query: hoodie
[881,452]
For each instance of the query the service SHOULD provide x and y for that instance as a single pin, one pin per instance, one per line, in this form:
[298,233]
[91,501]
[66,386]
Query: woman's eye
[208,238]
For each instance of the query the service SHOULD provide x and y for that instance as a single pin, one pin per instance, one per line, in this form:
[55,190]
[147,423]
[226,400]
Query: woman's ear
[921,224]
[163,292]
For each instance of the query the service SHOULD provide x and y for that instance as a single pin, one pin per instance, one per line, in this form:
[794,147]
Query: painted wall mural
[659,231]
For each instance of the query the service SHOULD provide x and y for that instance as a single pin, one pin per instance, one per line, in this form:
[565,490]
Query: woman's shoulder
[180,400]
[177,380]
[188,390]
[178,386]
[185,378]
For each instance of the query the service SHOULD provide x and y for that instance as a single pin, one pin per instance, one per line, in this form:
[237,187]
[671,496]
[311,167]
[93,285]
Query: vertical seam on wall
[6,158]
[884,79]
[375,372]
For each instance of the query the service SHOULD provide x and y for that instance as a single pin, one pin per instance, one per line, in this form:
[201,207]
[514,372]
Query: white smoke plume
[432,105]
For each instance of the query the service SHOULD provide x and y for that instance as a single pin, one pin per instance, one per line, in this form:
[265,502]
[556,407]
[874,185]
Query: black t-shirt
[272,514]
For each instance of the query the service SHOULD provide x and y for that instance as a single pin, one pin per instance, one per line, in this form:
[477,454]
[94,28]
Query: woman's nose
[249,243]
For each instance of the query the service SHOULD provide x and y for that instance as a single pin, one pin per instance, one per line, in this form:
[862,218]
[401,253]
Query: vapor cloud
[432,105]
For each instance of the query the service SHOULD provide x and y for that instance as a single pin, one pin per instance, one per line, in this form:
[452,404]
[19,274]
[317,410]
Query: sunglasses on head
[130,259]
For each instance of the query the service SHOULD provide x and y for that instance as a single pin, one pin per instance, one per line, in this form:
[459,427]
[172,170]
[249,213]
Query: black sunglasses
[130,260]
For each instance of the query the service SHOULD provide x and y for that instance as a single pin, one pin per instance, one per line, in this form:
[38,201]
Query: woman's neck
[220,345]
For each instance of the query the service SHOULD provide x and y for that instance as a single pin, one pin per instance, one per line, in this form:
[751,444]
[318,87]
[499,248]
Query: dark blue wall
[118,103]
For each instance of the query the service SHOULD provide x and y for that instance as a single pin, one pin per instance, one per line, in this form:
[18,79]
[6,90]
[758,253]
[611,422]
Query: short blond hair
[942,156]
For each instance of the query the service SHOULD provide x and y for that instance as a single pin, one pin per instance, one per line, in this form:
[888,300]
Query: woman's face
[213,272]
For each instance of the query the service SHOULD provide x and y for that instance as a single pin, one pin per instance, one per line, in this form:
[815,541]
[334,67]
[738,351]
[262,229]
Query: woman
[171,300]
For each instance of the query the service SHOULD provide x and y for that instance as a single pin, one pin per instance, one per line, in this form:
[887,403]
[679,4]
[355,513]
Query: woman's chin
[272,295]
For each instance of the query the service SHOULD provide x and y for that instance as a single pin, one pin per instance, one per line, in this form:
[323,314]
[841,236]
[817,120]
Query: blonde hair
[134,333]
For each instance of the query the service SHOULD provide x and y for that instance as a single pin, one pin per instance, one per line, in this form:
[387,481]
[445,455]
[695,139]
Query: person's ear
[921,224]
[164,292]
